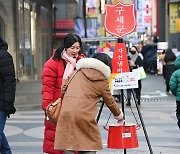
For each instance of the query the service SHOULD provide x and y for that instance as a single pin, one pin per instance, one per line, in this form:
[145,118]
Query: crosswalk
[24,131]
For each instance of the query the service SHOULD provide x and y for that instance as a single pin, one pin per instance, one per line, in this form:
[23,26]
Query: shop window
[1,27]
[45,34]
[25,51]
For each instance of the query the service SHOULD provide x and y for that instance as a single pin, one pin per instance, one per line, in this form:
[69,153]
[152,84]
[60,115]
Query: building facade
[25,24]
[169,23]
[173,18]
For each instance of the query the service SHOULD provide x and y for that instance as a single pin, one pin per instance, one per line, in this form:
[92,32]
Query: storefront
[26,26]
[174,25]
[34,37]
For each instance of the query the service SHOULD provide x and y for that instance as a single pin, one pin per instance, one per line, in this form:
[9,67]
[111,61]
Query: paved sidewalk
[25,130]
[158,112]
[28,95]
[160,123]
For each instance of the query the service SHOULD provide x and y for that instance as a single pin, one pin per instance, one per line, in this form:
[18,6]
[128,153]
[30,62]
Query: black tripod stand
[141,119]
[121,97]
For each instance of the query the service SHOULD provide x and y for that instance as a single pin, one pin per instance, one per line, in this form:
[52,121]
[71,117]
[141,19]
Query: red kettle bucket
[122,136]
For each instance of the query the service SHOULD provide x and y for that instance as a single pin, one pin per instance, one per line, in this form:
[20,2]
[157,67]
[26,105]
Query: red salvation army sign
[120,19]
[120,60]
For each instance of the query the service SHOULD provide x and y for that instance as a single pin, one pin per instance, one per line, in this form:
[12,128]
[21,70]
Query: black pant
[167,86]
[178,113]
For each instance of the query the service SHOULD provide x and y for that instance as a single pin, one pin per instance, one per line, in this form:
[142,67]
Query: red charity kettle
[122,136]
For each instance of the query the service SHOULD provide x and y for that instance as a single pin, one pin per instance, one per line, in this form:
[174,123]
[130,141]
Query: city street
[40,40]
[25,128]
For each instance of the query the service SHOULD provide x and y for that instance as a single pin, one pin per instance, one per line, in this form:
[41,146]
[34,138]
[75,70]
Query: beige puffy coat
[77,128]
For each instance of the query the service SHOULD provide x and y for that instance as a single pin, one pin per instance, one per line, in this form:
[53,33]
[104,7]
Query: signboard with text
[143,15]
[126,80]
[120,19]
[173,20]
[121,78]
[120,60]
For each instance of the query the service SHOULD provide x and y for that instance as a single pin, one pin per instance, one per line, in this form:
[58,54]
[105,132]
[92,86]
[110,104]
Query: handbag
[53,109]
[141,72]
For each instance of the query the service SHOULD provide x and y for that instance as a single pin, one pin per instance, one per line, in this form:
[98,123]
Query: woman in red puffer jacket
[57,68]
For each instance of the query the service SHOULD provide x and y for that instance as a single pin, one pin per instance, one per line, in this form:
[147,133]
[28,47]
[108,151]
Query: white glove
[120,117]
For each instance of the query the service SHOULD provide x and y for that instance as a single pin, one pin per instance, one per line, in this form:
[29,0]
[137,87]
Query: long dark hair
[134,47]
[169,56]
[69,40]
[106,59]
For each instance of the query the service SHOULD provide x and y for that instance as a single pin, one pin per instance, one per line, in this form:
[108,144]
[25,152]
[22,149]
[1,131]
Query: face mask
[133,52]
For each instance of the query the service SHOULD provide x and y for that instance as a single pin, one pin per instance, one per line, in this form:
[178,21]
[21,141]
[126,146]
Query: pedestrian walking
[168,67]
[175,88]
[7,92]
[55,70]
[140,46]
[77,127]
[135,61]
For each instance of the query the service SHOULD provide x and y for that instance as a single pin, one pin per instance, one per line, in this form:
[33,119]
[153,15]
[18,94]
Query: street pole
[54,23]
[120,40]
[85,20]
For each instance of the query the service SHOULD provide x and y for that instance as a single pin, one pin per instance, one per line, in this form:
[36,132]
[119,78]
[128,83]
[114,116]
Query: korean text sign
[120,19]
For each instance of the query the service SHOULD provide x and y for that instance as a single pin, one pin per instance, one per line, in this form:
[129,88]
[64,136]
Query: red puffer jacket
[52,75]
[52,80]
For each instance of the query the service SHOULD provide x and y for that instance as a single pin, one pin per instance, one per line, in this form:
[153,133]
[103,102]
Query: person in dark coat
[175,87]
[135,61]
[7,92]
[168,67]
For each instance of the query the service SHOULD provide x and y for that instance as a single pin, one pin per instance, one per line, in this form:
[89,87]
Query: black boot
[139,102]
[128,102]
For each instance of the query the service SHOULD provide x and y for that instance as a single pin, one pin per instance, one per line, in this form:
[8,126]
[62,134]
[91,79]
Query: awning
[60,35]
[64,24]
[63,27]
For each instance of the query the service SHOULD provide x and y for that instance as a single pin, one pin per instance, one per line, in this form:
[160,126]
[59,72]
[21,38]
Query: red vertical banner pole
[120,65]
[120,40]
[119,21]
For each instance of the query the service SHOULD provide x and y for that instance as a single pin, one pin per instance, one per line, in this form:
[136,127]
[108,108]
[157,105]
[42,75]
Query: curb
[28,101]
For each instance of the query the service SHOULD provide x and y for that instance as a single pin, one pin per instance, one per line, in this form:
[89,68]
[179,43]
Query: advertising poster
[173,18]
[91,8]
[91,27]
[143,15]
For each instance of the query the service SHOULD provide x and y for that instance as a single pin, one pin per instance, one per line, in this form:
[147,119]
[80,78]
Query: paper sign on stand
[121,77]
[124,81]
